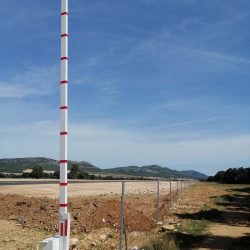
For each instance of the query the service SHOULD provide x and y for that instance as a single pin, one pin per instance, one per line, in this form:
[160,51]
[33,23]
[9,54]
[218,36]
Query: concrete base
[50,243]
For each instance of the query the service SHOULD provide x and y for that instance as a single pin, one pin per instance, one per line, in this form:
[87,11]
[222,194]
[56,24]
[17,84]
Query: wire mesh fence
[153,205]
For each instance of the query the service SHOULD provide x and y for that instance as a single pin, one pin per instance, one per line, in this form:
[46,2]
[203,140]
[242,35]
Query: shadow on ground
[187,242]
[232,210]
[235,212]
[245,189]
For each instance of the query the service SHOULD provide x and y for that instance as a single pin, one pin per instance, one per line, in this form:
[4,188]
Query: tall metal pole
[63,199]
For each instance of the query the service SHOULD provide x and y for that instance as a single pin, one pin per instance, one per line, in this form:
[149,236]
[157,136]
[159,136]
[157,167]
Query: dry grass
[15,237]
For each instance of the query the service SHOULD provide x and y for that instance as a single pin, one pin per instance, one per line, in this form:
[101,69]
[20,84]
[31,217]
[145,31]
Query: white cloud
[108,146]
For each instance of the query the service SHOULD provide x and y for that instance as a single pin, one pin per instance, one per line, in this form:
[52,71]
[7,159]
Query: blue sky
[151,82]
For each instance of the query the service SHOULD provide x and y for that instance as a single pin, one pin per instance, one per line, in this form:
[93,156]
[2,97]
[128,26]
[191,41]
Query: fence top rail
[72,181]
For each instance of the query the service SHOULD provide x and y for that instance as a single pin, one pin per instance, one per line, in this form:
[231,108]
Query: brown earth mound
[87,213]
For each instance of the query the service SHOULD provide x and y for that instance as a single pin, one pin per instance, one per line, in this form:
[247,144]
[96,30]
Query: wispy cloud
[188,122]
[170,105]
[217,57]
[33,82]
[14,15]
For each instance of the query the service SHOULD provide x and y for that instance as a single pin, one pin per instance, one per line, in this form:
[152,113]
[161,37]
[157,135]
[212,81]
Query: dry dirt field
[84,189]
[204,216]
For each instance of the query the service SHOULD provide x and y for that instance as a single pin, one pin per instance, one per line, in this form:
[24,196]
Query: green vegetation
[156,171]
[17,165]
[165,242]
[77,173]
[232,176]
[2,175]
[194,227]
[37,172]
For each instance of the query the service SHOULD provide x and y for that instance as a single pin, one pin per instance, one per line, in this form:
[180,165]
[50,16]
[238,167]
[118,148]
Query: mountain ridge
[17,165]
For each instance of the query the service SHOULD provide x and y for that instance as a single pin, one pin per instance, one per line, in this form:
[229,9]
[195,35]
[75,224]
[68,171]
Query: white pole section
[64,225]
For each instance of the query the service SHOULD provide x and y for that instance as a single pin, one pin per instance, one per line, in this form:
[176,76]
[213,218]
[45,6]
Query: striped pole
[63,199]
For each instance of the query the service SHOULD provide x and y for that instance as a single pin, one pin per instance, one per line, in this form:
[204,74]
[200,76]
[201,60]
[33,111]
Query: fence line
[180,187]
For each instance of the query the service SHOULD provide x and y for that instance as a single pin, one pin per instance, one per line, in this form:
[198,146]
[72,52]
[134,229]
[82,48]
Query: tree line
[75,173]
[232,176]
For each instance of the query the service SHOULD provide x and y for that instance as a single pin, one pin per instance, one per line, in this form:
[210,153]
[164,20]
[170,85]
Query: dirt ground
[85,189]
[91,216]
[220,211]
[15,237]
[216,216]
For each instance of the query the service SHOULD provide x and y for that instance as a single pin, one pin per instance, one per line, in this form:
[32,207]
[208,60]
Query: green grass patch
[206,207]
[194,227]
[164,242]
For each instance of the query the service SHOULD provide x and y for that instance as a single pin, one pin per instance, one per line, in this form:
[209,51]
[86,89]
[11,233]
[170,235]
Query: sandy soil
[86,189]
[229,231]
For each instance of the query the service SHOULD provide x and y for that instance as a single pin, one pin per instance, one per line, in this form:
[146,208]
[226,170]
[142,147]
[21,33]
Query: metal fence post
[170,190]
[177,188]
[122,216]
[158,200]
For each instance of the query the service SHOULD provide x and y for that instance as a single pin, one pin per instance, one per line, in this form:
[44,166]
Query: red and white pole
[64,225]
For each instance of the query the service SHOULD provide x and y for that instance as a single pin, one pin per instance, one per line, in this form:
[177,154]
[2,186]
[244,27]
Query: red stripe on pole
[63,161]
[64,82]
[63,183]
[64,107]
[64,35]
[64,58]
[63,205]
[61,229]
[66,228]
[64,13]
[63,133]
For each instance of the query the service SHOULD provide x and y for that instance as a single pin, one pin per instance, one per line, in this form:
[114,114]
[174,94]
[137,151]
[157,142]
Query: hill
[194,174]
[17,165]
[148,171]
[156,171]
